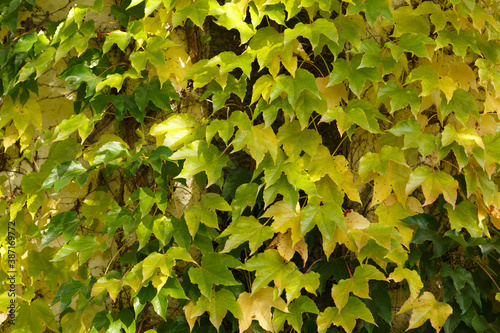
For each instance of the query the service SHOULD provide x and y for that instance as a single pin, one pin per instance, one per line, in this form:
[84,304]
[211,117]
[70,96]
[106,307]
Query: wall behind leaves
[179,165]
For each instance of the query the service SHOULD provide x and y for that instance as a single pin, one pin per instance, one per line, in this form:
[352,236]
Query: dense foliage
[278,165]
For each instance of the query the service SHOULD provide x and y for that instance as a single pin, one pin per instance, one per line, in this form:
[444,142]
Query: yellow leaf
[333,94]
[426,307]
[191,313]
[258,306]
[285,218]
[356,221]
[413,279]
[447,86]
[286,249]
[381,189]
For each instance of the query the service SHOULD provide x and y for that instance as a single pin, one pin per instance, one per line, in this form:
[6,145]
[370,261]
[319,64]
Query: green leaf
[246,196]
[201,157]
[246,228]
[357,77]
[327,217]
[146,199]
[427,77]
[372,8]
[295,140]
[160,302]
[400,97]
[217,306]
[66,292]
[465,215]
[345,318]
[146,294]
[196,12]
[463,104]
[159,95]
[374,55]
[83,244]
[433,184]
[358,285]
[66,223]
[118,37]
[460,277]
[294,316]
[268,266]
[35,316]
[214,270]
[414,137]
[364,114]
[62,175]
[415,43]
[428,230]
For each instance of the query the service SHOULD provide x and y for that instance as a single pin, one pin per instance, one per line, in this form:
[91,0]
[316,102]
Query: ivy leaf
[120,38]
[433,184]
[160,302]
[62,175]
[460,277]
[66,292]
[245,196]
[427,76]
[217,306]
[296,281]
[295,140]
[414,43]
[205,212]
[196,12]
[294,316]
[174,131]
[268,266]
[414,136]
[246,228]
[155,92]
[345,318]
[257,306]
[285,218]
[357,77]
[358,285]
[364,114]
[146,199]
[214,270]
[36,316]
[400,97]
[83,244]
[201,157]
[411,277]
[463,104]
[428,230]
[327,217]
[372,8]
[63,223]
[426,307]
[374,55]
[465,215]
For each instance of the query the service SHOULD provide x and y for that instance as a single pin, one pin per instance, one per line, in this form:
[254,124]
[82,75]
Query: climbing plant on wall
[260,165]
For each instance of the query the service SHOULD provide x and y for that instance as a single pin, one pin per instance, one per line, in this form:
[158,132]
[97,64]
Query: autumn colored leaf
[345,318]
[424,308]
[433,184]
[357,284]
[258,306]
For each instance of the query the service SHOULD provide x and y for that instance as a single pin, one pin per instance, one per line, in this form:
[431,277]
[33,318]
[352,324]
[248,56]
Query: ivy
[263,165]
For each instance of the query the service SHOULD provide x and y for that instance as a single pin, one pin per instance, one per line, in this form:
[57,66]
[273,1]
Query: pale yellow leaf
[257,306]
